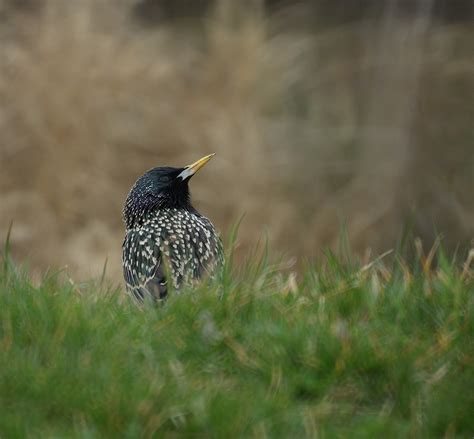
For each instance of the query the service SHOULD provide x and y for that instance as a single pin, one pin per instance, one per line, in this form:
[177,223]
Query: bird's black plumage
[165,235]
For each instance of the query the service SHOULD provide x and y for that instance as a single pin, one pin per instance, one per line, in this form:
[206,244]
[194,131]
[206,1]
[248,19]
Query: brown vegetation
[368,121]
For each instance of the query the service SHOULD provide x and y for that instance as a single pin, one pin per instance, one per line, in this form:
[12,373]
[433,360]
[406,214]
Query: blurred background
[322,113]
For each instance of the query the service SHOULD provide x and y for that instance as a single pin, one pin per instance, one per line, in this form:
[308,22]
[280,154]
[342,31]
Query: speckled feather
[161,241]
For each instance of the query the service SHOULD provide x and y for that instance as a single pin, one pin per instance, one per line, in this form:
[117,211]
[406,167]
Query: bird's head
[160,188]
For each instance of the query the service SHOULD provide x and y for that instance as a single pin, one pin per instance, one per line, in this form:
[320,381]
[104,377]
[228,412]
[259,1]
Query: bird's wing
[215,253]
[143,268]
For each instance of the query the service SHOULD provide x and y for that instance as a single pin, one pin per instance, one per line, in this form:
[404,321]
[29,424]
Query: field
[321,114]
[348,348]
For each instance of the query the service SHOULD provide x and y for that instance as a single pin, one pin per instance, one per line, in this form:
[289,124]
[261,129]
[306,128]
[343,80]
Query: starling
[165,235]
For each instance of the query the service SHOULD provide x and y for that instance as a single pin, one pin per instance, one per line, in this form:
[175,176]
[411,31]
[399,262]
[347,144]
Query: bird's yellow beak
[191,169]
[196,166]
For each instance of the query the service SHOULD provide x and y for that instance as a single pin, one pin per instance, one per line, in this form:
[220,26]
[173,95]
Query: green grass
[347,351]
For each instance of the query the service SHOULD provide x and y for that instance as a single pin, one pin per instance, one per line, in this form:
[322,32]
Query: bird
[166,238]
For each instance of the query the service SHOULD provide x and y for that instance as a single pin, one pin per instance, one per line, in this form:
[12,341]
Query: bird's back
[172,242]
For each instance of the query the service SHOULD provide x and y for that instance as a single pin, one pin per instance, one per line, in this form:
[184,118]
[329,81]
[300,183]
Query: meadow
[320,113]
[348,348]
